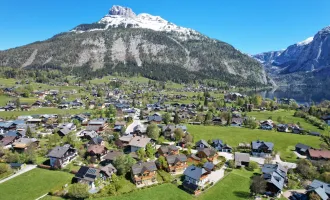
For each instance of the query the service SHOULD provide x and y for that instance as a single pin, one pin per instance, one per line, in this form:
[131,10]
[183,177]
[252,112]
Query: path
[42,196]
[285,164]
[22,171]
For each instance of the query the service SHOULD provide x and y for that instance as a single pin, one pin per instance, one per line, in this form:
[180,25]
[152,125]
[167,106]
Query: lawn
[284,142]
[42,111]
[235,186]
[7,82]
[287,117]
[33,184]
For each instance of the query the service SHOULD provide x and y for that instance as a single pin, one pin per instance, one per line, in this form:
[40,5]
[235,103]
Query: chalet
[96,151]
[166,150]
[195,178]
[144,173]
[22,144]
[282,128]
[267,125]
[326,119]
[155,118]
[209,153]
[87,175]
[208,166]
[139,129]
[202,144]
[261,148]
[15,134]
[320,188]
[123,141]
[138,142]
[236,121]
[96,141]
[61,156]
[241,159]
[219,121]
[314,133]
[7,141]
[81,118]
[97,124]
[112,155]
[88,134]
[168,130]
[220,146]
[276,177]
[297,130]
[63,132]
[316,154]
[302,149]
[107,171]
[176,163]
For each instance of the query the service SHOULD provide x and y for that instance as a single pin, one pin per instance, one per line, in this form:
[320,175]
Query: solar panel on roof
[91,171]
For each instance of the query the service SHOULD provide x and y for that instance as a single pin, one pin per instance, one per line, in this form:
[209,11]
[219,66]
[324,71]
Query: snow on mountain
[124,17]
[305,42]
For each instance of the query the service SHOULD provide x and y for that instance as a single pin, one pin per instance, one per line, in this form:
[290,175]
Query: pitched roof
[194,172]
[167,148]
[319,153]
[302,146]
[209,152]
[320,187]
[59,151]
[257,144]
[7,140]
[202,142]
[208,165]
[275,174]
[173,159]
[241,157]
[113,154]
[86,173]
[138,141]
[109,169]
[97,149]
[140,168]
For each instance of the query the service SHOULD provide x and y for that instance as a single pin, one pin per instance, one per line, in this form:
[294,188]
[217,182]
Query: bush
[231,164]
[252,166]
[78,191]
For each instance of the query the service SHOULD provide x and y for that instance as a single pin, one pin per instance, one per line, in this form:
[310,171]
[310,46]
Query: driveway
[228,156]
[285,164]
[299,155]
[288,193]
[22,171]
[258,160]
[136,121]
[215,176]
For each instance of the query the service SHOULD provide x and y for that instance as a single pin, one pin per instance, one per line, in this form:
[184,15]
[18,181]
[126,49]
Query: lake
[301,95]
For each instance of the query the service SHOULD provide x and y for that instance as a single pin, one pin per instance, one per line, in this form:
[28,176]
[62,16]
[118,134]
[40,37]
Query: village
[117,138]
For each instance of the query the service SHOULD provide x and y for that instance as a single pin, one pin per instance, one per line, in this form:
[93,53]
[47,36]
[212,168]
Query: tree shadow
[242,194]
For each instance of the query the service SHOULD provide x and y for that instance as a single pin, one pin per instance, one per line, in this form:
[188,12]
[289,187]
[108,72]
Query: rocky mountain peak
[122,11]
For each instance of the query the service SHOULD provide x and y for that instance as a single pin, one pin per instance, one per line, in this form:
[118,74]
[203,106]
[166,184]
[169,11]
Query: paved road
[25,169]
[228,156]
[136,121]
[285,164]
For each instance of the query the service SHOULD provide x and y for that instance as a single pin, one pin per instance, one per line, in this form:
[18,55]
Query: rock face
[140,44]
[122,11]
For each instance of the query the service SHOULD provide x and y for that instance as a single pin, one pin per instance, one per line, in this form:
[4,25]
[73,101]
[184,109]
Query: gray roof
[208,151]
[173,159]
[172,127]
[109,170]
[168,148]
[113,154]
[154,118]
[140,168]
[319,184]
[241,157]
[275,174]
[65,131]
[321,192]
[58,152]
[208,165]
[138,141]
[257,144]
[194,172]
[303,146]
[202,142]
[88,174]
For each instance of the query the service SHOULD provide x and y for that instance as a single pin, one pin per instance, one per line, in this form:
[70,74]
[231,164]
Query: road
[136,121]
[25,169]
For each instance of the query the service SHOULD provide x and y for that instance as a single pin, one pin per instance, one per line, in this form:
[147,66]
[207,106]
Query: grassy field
[284,142]
[7,82]
[4,99]
[287,117]
[33,184]
[235,186]
[42,111]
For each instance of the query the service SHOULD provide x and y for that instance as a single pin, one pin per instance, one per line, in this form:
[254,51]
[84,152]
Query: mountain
[312,54]
[124,42]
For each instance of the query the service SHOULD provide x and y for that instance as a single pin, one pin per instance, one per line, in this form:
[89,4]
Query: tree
[153,131]
[78,191]
[258,185]
[150,150]
[176,118]
[4,169]
[189,138]
[208,117]
[141,153]
[231,164]
[162,162]
[123,164]
[167,118]
[29,133]
[314,196]
[240,102]
[178,133]
[141,115]
[18,103]
[206,102]
[252,166]
[256,100]
[31,156]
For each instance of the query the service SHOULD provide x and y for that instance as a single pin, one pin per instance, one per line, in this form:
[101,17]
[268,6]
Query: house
[220,146]
[316,154]
[297,130]
[107,171]
[302,149]
[112,155]
[208,166]
[96,141]
[138,142]
[326,119]
[61,155]
[139,129]
[276,177]
[202,144]
[96,151]
[97,124]
[267,125]
[219,121]
[123,141]
[282,128]
[176,163]
[81,118]
[22,144]
[236,121]
[87,175]
[16,166]
[166,150]
[63,132]
[241,159]
[7,141]
[195,178]
[261,148]
[88,134]
[155,118]
[144,173]
[209,153]
[314,133]
[320,188]
[168,130]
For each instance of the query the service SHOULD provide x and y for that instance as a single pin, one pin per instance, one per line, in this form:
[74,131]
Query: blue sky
[251,26]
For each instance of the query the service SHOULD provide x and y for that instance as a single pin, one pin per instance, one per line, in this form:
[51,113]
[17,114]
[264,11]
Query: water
[302,95]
